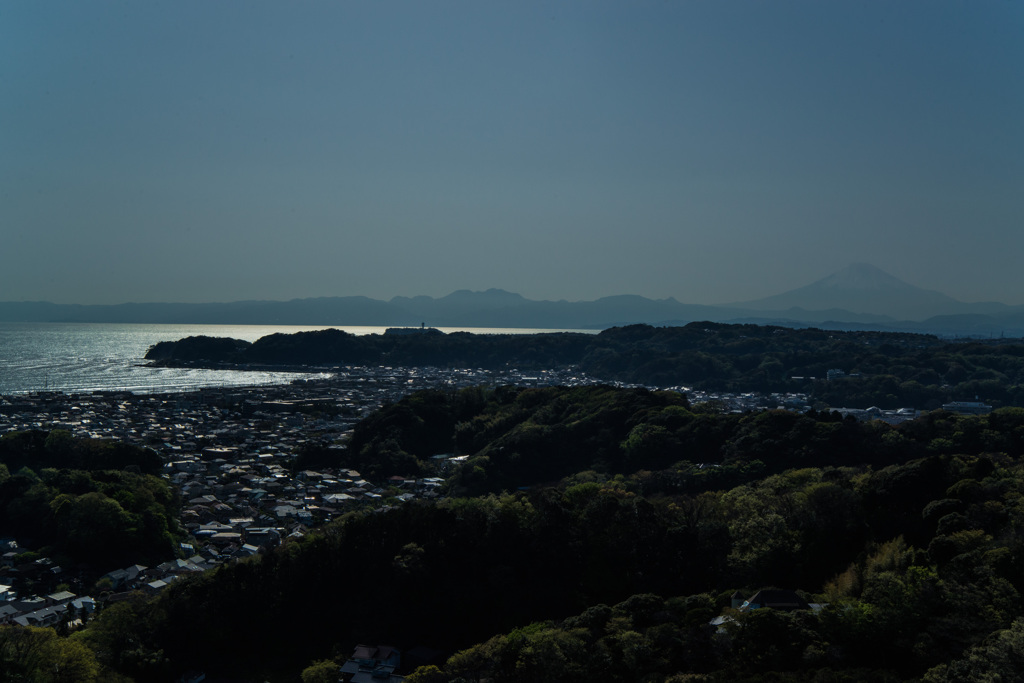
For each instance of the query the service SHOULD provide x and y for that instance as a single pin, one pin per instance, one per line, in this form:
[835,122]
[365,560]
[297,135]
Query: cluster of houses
[277,414]
[237,502]
[231,454]
[49,610]
[234,505]
[231,451]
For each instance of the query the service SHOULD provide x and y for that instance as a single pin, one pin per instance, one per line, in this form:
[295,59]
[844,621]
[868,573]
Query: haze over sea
[84,357]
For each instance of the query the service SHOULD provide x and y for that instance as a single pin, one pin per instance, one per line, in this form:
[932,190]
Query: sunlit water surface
[83,357]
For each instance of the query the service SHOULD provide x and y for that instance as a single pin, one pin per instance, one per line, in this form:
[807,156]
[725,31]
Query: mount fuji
[865,290]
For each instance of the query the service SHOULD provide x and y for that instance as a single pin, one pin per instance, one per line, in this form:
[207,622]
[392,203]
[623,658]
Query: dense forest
[884,369]
[92,505]
[594,533]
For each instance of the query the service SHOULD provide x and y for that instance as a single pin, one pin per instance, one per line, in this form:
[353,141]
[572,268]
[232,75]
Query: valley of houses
[230,452]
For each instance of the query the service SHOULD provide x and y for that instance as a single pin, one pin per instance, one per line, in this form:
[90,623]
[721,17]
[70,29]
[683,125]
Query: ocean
[84,357]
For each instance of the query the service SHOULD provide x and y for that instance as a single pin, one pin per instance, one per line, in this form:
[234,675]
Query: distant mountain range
[869,291]
[858,297]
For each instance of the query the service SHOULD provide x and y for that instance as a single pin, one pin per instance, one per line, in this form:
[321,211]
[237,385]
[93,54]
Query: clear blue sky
[713,151]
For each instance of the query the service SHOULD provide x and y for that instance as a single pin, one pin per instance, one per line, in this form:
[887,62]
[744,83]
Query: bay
[85,357]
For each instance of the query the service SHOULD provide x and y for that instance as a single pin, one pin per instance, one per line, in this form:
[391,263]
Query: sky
[711,151]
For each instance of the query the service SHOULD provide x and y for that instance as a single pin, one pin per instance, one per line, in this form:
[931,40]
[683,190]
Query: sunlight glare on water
[83,357]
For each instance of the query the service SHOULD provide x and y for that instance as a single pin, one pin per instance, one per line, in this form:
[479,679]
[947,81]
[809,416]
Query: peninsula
[857,369]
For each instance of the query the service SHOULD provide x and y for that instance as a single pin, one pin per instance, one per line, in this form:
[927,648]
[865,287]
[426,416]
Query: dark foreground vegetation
[91,505]
[594,533]
[884,369]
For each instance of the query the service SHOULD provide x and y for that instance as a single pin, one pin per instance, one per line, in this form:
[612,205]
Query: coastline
[84,357]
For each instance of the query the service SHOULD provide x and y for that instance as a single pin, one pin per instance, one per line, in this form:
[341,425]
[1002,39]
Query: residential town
[231,454]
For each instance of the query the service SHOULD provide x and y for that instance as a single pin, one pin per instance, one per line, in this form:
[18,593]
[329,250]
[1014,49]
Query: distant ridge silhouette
[863,288]
[859,296]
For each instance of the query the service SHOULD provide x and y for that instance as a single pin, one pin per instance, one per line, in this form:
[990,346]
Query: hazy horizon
[709,152]
[857,270]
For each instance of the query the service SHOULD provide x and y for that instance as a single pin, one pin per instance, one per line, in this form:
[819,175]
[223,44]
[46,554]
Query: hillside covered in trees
[93,505]
[595,533]
[884,369]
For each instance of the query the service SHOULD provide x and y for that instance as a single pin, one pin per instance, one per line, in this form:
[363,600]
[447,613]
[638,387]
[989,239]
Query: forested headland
[884,369]
[594,533]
